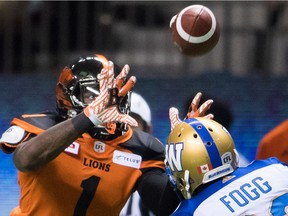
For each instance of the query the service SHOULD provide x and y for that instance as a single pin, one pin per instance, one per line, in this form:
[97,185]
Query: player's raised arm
[47,146]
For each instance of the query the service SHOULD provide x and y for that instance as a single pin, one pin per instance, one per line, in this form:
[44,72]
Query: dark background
[247,70]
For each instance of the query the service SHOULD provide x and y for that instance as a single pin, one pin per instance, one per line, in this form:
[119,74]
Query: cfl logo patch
[99,147]
[226,158]
[174,155]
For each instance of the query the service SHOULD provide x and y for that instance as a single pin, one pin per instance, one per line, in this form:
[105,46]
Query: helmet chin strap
[187,184]
[80,103]
[71,113]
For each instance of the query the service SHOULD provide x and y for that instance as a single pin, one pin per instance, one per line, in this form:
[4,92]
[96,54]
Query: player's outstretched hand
[105,107]
[193,111]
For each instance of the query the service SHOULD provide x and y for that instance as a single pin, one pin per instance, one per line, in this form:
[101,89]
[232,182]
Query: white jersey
[134,208]
[259,189]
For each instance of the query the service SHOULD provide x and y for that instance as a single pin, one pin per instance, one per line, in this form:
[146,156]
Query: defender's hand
[174,117]
[192,112]
[105,106]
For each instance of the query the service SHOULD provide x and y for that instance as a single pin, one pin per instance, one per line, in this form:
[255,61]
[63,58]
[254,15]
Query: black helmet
[78,84]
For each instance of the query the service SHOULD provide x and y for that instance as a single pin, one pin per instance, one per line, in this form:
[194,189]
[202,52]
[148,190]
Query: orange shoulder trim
[26,126]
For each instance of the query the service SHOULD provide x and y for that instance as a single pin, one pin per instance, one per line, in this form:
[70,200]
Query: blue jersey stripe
[210,145]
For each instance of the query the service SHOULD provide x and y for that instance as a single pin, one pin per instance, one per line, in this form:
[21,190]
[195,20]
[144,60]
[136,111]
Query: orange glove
[104,108]
[192,112]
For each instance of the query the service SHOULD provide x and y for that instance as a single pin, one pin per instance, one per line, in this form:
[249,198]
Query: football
[195,30]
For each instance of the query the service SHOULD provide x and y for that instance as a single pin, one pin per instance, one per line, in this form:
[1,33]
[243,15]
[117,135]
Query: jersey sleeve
[25,127]
[12,137]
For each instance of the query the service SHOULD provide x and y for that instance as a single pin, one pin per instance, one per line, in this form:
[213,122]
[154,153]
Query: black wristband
[82,123]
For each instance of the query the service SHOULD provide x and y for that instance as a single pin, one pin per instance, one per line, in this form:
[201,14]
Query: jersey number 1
[89,186]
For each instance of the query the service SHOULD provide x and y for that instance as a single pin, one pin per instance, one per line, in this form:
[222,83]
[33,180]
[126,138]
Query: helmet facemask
[74,96]
[78,86]
[82,93]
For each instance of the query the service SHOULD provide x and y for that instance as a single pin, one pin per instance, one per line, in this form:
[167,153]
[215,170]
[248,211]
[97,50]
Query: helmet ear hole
[195,135]
[208,144]
[210,129]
